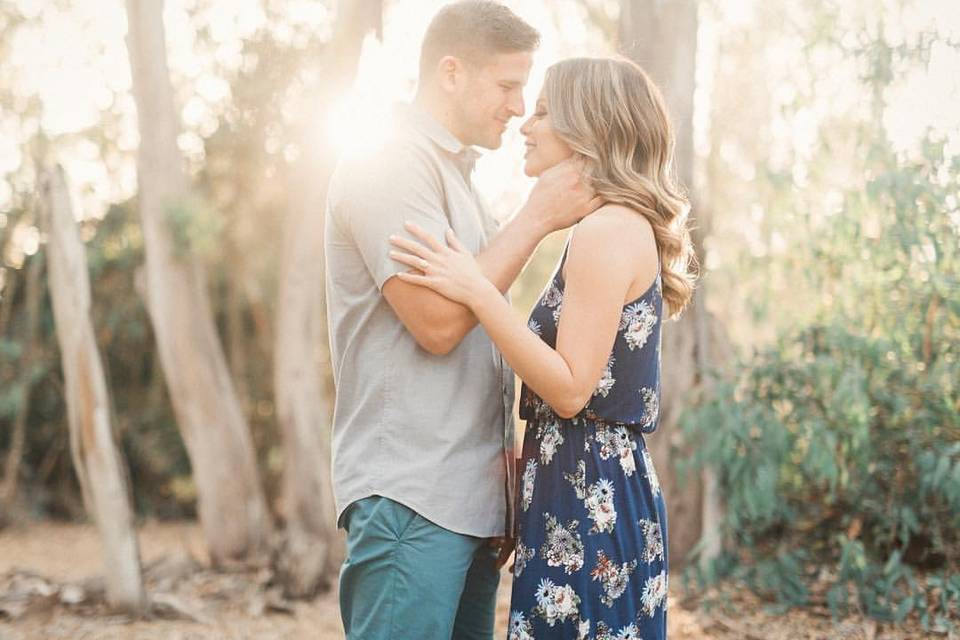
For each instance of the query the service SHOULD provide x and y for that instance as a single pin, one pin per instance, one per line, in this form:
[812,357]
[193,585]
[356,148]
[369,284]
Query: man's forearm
[504,258]
[439,324]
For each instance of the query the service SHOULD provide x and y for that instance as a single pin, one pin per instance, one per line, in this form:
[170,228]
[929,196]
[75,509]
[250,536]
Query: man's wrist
[537,224]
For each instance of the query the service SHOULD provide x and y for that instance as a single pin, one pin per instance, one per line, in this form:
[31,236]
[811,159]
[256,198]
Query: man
[423,430]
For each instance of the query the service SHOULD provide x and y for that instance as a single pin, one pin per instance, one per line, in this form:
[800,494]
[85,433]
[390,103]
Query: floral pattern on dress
[563,546]
[629,632]
[556,603]
[591,558]
[614,577]
[552,297]
[599,504]
[528,483]
[651,473]
[534,326]
[583,630]
[520,627]
[579,480]
[521,556]
[606,379]
[653,541]
[616,442]
[550,440]
[637,323]
[654,593]
[651,409]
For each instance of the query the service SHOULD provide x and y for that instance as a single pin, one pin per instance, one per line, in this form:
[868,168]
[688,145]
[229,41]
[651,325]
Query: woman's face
[544,146]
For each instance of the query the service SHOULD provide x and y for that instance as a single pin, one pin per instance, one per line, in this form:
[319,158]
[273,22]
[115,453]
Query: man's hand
[505,545]
[561,197]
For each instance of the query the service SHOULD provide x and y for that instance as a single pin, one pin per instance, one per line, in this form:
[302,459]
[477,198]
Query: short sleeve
[377,197]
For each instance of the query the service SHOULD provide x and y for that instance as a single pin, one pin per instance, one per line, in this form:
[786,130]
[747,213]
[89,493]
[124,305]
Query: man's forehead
[509,67]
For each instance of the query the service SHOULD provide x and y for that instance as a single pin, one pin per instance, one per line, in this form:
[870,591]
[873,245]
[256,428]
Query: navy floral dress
[591,559]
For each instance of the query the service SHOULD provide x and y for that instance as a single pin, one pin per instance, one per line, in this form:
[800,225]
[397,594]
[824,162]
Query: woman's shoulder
[615,226]
[619,242]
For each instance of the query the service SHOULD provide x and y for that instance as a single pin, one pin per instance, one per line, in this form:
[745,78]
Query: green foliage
[838,445]
[196,227]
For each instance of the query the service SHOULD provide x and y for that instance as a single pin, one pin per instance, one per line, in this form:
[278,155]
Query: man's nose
[525,127]
[516,105]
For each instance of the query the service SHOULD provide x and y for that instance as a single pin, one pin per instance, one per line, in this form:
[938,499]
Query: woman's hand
[449,269]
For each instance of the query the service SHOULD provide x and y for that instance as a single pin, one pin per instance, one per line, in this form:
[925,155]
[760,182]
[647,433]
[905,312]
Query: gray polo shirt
[430,432]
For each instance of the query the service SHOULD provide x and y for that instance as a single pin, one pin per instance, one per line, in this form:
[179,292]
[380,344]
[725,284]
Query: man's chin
[491,142]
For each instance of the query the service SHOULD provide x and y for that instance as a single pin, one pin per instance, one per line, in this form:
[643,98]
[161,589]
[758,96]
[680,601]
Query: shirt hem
[479,532]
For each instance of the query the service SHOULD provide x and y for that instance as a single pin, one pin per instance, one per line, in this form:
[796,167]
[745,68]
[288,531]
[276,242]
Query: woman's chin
[531,170]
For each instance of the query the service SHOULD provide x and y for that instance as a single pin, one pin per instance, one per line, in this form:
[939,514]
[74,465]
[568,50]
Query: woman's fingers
[421,264]
[453,242]
[412,246]
[414,278]
[423,236]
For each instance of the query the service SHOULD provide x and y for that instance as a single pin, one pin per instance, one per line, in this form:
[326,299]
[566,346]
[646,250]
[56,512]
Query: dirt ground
[69,552]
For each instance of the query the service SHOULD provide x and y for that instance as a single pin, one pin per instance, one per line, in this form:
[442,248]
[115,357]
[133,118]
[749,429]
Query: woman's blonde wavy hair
[611,113]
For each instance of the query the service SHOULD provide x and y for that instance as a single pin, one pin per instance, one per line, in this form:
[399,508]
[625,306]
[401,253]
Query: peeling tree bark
[303,381]
[100,468]
[232,508]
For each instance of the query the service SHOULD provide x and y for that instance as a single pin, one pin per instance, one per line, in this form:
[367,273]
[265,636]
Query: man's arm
[558,200]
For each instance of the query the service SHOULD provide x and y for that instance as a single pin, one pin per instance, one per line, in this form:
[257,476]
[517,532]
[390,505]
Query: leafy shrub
[837,448]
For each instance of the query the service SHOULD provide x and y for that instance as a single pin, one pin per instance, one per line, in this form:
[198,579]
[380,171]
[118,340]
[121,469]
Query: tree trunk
[232,508]
[100,468]
[661,35]
[303,381]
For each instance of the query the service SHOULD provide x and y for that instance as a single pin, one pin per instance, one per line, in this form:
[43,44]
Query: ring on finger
[424,264]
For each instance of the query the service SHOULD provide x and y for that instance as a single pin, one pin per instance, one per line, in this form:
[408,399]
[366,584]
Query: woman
[591,551]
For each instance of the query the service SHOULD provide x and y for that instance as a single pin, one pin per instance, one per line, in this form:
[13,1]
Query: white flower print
[606,380]
[603,632]
[612,576]
[522,556]
[617,442]
[629,632]
[578,480]
[654,593]
[651,473]
[637,323]
[529,476]
[556,313]
[520,627]
[562,546]
[583,629]
[653,541]
[556,603]
[552,297]
[550,440]
[535,326]
[651,408]
[599,504]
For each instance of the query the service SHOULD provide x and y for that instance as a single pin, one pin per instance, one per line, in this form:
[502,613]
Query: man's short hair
[474,30]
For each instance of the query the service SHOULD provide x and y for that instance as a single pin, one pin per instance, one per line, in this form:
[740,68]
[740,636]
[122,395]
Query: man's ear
[449,73]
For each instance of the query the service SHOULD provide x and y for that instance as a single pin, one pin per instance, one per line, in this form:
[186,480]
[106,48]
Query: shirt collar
[423,122]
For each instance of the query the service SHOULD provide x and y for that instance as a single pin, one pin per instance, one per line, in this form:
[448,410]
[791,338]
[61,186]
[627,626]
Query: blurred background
[810,447]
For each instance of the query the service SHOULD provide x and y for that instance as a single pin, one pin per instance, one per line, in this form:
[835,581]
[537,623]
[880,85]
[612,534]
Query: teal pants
[406,578]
